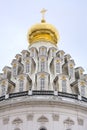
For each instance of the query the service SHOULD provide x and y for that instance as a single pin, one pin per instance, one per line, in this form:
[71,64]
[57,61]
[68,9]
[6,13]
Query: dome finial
[43,11]
[43,32]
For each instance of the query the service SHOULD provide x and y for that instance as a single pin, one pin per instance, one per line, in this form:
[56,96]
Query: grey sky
[68,16]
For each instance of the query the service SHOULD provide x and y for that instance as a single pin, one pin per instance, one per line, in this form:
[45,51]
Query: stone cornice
[43,101]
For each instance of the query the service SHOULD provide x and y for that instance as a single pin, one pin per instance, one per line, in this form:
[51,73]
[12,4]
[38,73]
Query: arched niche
[17,121]
[42,128]
[17,129]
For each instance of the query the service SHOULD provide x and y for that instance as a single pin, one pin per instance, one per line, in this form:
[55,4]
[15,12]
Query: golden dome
[43,32]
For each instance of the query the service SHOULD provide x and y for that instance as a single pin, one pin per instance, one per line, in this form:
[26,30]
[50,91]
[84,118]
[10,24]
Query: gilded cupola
[43,32]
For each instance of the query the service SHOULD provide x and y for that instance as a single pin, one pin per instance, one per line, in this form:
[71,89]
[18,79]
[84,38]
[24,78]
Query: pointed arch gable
[42,119]
[69,121]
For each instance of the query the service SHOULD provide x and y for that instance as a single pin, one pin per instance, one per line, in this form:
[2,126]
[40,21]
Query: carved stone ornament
[17,121]
[42,119]
[69,122]
[55,117]
[30,117]
[80,121]
[5,120]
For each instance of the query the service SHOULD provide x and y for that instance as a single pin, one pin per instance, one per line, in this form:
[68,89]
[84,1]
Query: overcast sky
[68,16]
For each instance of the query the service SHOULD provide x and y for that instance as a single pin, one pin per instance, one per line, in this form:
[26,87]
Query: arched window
[53,52]
[42,129]
[43,51]
[32,52]
[17,121]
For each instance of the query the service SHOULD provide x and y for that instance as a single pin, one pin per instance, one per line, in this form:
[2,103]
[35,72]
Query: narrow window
[5,74]
[27,67]
[53,52]
[82,90]
[24,55]
[71,72]
[42,83]
[62,57]
[42,65]
[32,52]
[21,85]
[14,71]
[42,51]
[57,67]
[64,86]
[3,90]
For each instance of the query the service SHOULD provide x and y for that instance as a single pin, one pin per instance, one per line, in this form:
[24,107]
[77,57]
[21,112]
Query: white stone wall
[53,112]
[42,112]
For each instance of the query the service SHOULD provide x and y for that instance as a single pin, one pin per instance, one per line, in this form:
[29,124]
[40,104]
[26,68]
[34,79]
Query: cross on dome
[43,11]
[43,32]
